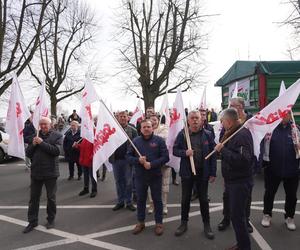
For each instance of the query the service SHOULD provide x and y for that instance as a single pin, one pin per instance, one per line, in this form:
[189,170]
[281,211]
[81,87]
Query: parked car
[3,145]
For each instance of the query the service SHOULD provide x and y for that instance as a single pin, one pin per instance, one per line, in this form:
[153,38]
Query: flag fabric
[268,118]
[282,88]
[108,137]
[164,110]
[41,107]
[203,100]
[17,115]
[176,125]
[89,96]
[137,114]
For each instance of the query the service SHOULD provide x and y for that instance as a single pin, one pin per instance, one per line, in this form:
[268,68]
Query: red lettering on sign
[272,117]
[174,117]
[18,109]
[102,137]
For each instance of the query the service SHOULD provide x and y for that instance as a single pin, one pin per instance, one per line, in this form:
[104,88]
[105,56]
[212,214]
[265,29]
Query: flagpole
[135,148]
[224,142]
[189,145]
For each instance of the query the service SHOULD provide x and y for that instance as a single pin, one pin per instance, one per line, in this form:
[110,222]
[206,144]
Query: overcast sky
[243,30]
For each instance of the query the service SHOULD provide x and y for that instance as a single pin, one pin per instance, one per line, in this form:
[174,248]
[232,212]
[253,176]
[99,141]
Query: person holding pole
[153,154]
[202,143]
[237,157]
[281,165]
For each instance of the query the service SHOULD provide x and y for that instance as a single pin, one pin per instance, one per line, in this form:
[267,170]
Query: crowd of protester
[145,179]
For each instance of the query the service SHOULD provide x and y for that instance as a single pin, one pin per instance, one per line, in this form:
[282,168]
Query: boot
[84,191]
[181,229]
[224,224]
[208,232]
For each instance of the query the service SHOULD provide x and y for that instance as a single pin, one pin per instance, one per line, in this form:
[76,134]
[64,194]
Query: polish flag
[17,115]
[203,100]
[108,137]
[268,118]
[89,96]
[137,114]
[176,125]
[41,107]
[164,110]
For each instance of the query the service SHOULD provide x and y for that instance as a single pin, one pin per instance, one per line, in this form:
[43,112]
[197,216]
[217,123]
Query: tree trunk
[53,100]
[149,98]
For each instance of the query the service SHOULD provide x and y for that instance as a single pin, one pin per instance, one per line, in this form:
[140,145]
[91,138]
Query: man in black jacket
[43,151]
[237,162]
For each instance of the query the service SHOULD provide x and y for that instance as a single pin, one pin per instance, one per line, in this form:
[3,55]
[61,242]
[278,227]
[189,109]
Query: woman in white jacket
[162,131]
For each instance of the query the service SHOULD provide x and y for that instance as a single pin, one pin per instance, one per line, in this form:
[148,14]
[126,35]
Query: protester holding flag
[162,131]
[122,169]
[86,161]
[154,154]
[43,151]
[237,162]
[202,143]
[239,104]
[71,153]
[282,166]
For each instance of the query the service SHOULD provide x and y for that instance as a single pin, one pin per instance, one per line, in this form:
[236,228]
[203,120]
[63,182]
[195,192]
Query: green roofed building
[259,82]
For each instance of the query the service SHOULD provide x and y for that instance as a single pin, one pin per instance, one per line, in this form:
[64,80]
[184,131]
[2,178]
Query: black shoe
[79,178]
[93,194]
[130,207]
[83,192]
[223,224]
[29,227]
[118,206]
[194,197]
[249,227]
[181,229]
[50,225]
[70,178]
[208,232]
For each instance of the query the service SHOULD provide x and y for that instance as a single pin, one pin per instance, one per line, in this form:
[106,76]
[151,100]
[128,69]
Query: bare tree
[21,23]
[63,45]
[164,46]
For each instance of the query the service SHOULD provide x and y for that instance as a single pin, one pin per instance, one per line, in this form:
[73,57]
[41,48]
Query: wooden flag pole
[189,145]
[132,144]
[212,152]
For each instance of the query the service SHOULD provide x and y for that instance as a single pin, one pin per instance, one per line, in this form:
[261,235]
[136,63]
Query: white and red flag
[89,96]
[176,125]
[108,137]
[164,110]
[138,114]
[268,118]
[235,91]
[41,107]
[17,115]
[203,105]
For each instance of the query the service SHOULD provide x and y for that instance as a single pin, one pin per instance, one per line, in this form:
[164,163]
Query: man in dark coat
[43,151]
[237,165]
[72,153]
[202,144]
[148,174]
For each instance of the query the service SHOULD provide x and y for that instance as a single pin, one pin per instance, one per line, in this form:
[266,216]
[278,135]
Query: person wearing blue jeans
[153,154]
[122,169]
[123,178]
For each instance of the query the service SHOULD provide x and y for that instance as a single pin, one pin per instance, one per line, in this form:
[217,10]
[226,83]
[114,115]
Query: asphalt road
[90,223]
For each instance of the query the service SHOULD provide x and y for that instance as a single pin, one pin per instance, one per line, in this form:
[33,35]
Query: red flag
[17,114]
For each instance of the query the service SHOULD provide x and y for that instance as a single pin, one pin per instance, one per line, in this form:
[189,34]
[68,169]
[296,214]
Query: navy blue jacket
[28,132]
[156,153]
[71,154]
[179,150]
[283,162]
[238,157]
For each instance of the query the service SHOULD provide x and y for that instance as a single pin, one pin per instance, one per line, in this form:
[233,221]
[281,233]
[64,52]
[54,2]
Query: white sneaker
[266,220]
[150,210]
[165,210]
[290,224]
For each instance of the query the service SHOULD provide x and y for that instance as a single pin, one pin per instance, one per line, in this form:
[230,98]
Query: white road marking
[66,235]
[48,244]
[99,206]
[260,240]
